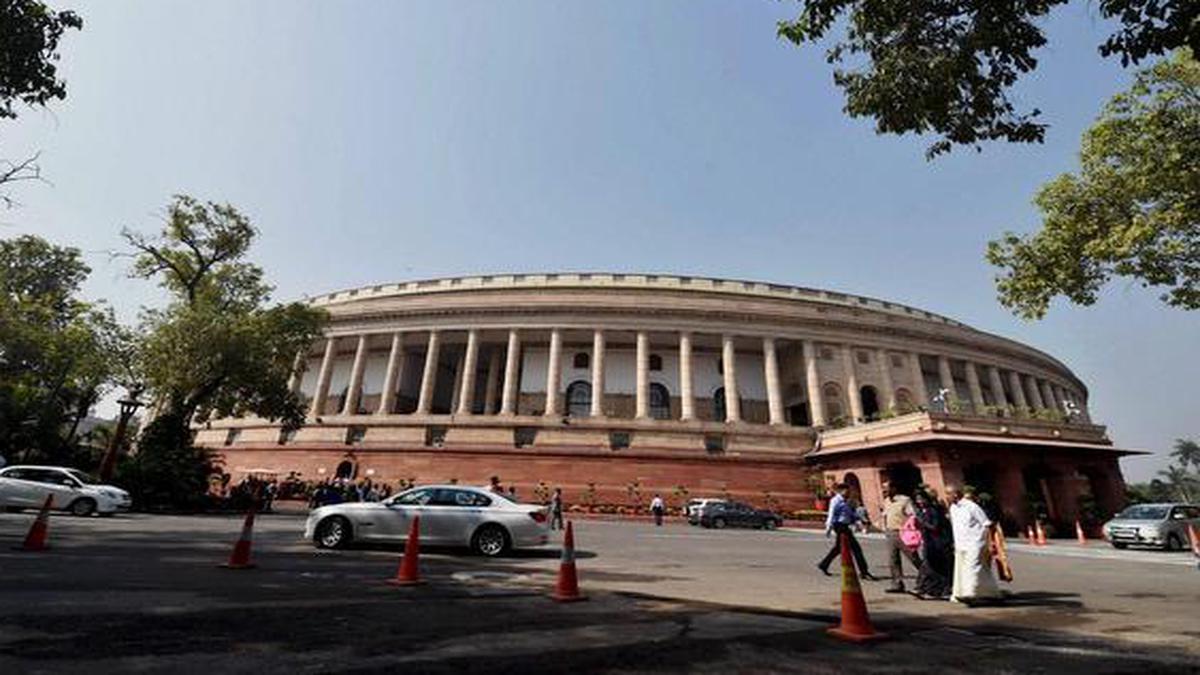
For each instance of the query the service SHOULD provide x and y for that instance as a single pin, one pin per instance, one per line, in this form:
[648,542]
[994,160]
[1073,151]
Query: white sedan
[450,515]
[26,487]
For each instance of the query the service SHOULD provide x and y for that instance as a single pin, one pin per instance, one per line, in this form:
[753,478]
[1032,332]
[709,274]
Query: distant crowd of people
[953,549]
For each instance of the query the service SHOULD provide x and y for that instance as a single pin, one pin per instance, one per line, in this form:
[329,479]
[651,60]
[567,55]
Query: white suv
[26,487]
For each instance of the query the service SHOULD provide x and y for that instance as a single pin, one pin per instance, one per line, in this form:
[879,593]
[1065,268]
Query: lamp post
[128,407]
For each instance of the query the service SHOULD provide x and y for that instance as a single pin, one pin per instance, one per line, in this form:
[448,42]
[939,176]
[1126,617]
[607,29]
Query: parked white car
[26,487]
[451,515]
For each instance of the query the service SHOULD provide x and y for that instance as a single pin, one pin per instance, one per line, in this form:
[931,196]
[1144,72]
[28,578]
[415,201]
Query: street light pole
[128,407]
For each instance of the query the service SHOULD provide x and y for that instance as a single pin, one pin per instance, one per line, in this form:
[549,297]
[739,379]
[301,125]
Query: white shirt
[969,523]
[656,503]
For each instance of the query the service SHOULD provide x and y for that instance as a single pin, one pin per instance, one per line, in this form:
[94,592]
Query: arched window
[579,399]
[580,360]
[660,402]
[904,401]
[718,402]
[345,469]
[870,402]
[833,401]
[655,362]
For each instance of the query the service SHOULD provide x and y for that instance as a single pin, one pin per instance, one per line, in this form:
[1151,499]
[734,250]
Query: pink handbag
[910,534]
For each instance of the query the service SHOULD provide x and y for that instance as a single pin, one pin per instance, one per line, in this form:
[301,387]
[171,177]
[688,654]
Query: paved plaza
[143,593]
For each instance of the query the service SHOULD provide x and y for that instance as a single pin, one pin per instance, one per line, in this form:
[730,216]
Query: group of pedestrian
[952,550]
[341,490]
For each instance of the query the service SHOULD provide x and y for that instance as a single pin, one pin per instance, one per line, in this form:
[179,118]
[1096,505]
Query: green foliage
[218,349]
[29,36]
[168,473]
[946,67]
[1132,211]
[57,352]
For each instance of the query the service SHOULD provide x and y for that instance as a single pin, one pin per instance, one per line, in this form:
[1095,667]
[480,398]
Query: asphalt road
[144,594]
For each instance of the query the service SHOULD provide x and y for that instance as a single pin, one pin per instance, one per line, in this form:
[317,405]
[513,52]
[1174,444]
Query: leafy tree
[946,67]
[218,349]
[1187,452]
[1183,483]
[29,36]
[1132,211]
[55,349]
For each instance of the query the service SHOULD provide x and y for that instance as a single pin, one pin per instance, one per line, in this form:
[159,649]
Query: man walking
[556,510]
[841,520]
[897,509]
[973,580]
[657,508]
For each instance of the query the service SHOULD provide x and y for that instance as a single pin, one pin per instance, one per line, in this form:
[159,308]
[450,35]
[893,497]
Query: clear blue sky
[379,141]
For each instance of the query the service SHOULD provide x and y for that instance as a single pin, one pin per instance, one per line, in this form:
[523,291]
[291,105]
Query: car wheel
[490,541]
[1174,543]
[718,523]
[83,507]
[770,524]
[333,532]
[1122,546]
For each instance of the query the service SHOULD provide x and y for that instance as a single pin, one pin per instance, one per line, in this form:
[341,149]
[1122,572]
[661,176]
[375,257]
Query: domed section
[607,383]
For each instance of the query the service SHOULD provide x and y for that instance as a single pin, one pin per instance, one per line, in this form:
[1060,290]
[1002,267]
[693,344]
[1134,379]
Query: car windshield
[1143,512]
[82,477]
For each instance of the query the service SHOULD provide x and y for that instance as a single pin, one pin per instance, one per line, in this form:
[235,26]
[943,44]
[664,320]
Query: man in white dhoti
[973,578]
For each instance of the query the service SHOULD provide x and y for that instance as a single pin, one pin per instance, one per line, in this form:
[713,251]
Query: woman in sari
[937,543]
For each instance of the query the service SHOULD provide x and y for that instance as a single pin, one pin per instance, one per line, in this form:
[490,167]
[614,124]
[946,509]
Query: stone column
[771,375]
[918,377]
[456,385]
[945,376]
[1048,396]
[733,402]
[812,382]
[298,368]
[1031,391]
[391,378]
[354,390]
[1017,389]
[597,374]
[687,397]
[977,401]
[492,386]
[321,393]
[553,373]
[852,392]
[429,375]
[512,371]
[997,386]
[466,396]
[642,390]
[918,381]
[885,379]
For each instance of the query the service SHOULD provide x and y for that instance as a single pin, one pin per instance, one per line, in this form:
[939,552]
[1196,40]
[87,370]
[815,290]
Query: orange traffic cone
[1041,534]
[1029,539]
[1195,537]
[567,589]
[240,558]
[409,572]
[1079,534]
[36,539]
[856,623]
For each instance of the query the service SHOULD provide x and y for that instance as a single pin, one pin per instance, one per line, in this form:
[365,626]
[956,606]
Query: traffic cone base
[409,572]
[566,588]
[855,624]
[37,538]
[841,634]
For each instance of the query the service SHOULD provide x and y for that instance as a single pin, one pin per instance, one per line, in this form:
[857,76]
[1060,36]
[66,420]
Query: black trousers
[840,530]
[556,519]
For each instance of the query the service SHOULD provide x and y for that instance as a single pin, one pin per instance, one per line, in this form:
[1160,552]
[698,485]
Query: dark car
[736,514]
